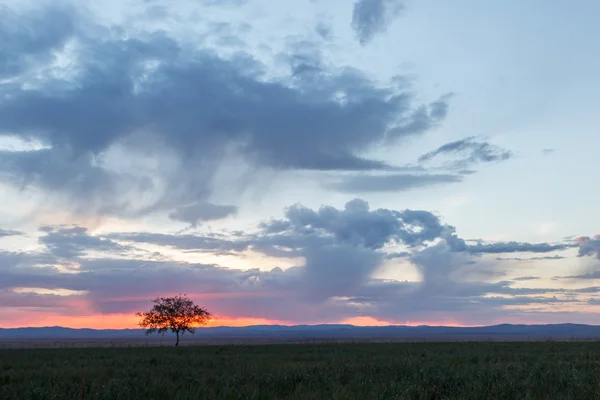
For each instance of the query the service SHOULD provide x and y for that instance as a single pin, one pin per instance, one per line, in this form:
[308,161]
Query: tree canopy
[177,314]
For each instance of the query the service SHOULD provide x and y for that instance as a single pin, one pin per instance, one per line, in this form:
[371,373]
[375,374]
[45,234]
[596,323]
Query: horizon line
[309,325]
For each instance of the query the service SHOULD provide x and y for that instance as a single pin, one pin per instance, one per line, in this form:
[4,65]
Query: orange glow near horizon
[111,321]
[128,321]
[370,321]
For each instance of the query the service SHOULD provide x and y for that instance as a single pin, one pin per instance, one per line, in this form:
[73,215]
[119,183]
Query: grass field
[539,370]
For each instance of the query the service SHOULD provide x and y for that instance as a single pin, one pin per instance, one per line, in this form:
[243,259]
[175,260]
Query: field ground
[471,370]
[158,341]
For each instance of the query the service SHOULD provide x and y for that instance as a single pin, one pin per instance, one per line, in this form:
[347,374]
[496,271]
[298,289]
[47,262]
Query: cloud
[333,285]
[324,31]
[303,229]
[371,17]
[205,243]
[589,246]
[471,150]
[554,257]
[6,233]
[202,212]
[74,242]
[144,121]
[589,275]
[526,278]
[357,225]
[22,47]
[342,250]
[518,247]
[392,182]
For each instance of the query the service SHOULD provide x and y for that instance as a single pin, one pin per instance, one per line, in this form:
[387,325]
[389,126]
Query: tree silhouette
[178,314]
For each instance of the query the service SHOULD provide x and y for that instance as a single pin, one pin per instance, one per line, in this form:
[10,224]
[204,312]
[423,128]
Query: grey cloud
[60,170]
[211,2]
[402,254]
[589,246]
[392,182]
[8,232]
[471,150]
[324,31]
[517,247]
[224,2]
[526,278]
[184,242]
[342,248]
[371,17]
[302,295]
[554,257]
[590,275]
[197,106]
[73,242]
[591,289]
[358,225]
[338,270]
[304,58]
[275,226]
[548,151]
[422,119]
[439,108]
[444,291]
[28,39]
[202,212]
[11,299]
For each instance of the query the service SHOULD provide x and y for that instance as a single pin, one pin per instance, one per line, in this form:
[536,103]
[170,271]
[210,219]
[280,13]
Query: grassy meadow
[538,370]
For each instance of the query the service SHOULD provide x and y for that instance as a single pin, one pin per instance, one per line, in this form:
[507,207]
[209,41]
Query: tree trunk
[177,342]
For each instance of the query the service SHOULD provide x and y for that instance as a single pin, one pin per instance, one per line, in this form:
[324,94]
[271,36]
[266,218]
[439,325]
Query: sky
[370,162]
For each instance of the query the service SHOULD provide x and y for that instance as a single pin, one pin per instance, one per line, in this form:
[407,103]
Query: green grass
[332,371]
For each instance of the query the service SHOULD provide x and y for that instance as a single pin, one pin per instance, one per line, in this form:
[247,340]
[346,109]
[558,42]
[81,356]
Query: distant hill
[496,332]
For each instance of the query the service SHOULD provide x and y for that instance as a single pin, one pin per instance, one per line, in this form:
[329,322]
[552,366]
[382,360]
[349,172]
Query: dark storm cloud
[371,17]
[471,151]
[392,182]
[73,242]
[164,99]
[201,212]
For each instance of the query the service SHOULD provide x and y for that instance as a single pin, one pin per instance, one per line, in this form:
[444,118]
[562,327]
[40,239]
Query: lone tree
[178,314]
